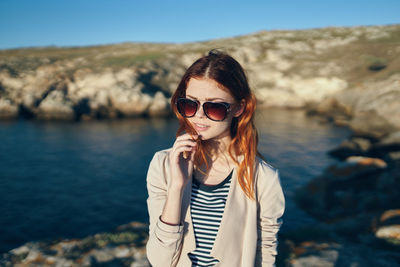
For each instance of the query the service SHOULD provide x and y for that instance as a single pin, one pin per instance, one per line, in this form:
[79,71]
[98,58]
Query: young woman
[212,200]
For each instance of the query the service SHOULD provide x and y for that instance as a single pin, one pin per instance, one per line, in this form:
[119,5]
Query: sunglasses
[215,111]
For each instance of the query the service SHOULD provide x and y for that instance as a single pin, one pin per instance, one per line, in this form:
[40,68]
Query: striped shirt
[207,207]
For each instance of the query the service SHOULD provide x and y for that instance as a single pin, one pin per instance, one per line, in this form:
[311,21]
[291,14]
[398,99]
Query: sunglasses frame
[228,107]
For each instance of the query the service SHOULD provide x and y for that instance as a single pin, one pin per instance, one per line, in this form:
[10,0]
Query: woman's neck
[219,147]
[218,158]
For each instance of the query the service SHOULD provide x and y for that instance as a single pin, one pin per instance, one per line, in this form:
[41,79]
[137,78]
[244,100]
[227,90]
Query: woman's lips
[200,127]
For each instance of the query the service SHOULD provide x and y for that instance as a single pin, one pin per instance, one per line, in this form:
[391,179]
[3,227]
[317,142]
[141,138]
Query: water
[73,179]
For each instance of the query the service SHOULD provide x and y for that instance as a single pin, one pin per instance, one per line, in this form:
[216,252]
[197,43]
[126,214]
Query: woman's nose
[200,112]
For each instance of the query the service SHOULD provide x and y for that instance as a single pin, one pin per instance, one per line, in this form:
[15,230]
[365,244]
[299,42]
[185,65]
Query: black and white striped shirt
[207,207]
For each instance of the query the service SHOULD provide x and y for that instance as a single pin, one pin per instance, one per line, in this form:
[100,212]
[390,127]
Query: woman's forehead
[203,89]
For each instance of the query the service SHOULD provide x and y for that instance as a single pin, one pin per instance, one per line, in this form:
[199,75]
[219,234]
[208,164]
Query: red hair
[229,74]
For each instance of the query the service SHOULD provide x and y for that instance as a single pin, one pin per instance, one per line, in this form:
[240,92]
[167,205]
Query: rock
[60,262]
[295,91]
[344,190]
[140,259]
[51,260]
[367,161]
[33,256]
[160,105]
[375,106]
[121,252]
[390,143]
[369,123]
[276,57]
[20,250]
[140,263]
[277,98]
[103,255]
[394,156]
[315,254]
[133,225]
[37,85]
[321,259]
[55,107]
[107,94]
[65,247]
[363,144]
[130,103]
[389,215]
[389,227]
[353,147]
[10,83]
[392,139]
[331,108]
[122,247]
[8,110]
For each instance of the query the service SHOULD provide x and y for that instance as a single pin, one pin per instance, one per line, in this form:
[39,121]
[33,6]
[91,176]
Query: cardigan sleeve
[164,244]
[271,206]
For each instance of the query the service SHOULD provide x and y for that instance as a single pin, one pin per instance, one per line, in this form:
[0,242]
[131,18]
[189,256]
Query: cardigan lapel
[232,220]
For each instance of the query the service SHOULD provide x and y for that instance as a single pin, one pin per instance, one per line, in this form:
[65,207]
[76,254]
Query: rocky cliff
[353,73]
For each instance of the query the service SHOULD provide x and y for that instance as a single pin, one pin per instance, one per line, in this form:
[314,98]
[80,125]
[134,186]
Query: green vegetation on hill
[359,52]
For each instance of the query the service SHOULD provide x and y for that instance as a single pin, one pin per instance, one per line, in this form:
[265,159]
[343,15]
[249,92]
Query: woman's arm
[271,205]
[165,201]
[164,242]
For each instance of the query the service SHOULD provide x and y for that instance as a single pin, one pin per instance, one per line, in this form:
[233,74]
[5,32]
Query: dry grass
[364,58]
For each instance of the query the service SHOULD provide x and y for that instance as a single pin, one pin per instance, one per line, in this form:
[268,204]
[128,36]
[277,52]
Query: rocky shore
[357,204]
[122,247]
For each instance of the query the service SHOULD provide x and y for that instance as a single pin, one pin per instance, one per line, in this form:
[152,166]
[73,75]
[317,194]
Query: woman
[212,200]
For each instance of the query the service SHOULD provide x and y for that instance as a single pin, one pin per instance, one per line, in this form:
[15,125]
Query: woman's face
[202,90]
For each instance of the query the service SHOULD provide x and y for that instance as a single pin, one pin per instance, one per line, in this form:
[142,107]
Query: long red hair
[228,73]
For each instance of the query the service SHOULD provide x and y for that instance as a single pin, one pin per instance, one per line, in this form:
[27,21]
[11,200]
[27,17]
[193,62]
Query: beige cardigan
[247,235]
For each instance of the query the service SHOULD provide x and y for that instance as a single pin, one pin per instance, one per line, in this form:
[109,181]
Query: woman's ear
[239,109]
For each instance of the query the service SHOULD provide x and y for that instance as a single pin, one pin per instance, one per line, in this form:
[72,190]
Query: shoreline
[122,247]
[355,203]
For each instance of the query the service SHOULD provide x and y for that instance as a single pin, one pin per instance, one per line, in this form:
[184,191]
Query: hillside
[349,68]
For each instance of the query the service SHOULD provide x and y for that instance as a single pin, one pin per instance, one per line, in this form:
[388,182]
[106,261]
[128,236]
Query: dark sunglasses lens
[215,111]
[186,107]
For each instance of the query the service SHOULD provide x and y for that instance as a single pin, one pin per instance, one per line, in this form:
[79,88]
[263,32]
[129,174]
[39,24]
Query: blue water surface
[73,179]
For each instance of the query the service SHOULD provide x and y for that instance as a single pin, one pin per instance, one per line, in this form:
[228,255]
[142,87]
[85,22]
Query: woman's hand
[181,160]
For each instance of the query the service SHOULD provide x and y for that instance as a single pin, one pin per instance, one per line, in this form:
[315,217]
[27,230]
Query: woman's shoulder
[158,166]
[160,158]
[265,167]
[266,175]
[267,178]
[162,153]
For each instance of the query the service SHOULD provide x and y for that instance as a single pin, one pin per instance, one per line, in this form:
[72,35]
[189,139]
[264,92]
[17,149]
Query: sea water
[73,179]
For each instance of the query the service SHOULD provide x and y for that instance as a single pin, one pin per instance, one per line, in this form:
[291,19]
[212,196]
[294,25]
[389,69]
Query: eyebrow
[207,99]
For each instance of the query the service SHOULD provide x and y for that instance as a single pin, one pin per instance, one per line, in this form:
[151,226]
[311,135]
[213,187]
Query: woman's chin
[203,137]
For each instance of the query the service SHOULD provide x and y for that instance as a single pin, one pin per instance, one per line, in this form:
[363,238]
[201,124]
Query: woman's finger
[180,151]
[187,136]
[180,143]
[185,143]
